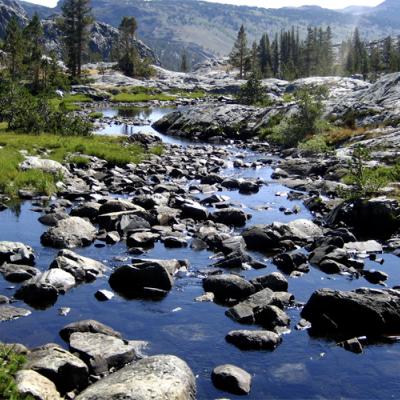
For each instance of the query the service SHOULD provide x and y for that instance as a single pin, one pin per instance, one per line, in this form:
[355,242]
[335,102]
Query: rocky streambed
[201,257]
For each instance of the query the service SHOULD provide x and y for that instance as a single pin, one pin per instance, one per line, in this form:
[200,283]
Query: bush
[366,182]
[252,92]
[315,145]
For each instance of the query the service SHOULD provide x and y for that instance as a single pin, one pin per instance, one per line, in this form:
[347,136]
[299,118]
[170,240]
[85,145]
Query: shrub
[315,145]
[252,92]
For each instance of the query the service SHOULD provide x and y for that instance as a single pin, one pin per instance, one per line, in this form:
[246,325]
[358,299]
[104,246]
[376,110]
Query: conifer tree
[240,52]
[74,24]
[129,58]
[14,47]
[184,62]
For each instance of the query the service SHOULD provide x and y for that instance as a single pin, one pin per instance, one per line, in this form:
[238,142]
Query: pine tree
[14,47]
[129,58]
[74,24]
[184,62]
[264,56]
[239,52]
[33,38]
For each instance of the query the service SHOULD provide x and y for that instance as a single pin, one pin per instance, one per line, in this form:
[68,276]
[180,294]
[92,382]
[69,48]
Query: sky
[270,3]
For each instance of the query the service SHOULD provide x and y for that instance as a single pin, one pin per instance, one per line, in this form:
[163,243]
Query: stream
[300,368]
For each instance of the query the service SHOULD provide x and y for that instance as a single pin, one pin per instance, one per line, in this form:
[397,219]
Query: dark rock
[275,281]
[271,317]
[352,345]
[230,217]
[375,277]
[194,211]
[232,379]
[67,371]
[227,287]
[18,273]
[254,340]
[52,219]
[104,295]
[357,313]
[90,326]
[289,262]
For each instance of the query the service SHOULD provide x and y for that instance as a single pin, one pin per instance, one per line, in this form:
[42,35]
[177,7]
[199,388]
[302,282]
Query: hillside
[205,29]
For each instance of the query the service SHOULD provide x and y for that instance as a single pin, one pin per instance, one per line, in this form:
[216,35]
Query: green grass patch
[195,94]
[69,102]
[140,97]
[115,150]
[10,364]
[96,115]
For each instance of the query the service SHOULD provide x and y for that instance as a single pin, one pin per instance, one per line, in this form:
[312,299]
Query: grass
[114,150]
[69,102]
[10,364]
[140,97]
[96,115]
[336,136]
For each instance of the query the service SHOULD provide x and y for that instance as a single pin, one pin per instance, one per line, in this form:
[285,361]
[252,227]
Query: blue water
[300,368]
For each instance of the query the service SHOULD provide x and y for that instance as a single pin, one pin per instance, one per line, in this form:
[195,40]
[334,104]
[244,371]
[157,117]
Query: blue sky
[269,3]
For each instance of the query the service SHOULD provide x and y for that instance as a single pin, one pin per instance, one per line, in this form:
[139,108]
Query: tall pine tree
[240,52]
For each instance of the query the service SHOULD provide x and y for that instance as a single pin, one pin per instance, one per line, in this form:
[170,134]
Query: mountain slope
[204,29]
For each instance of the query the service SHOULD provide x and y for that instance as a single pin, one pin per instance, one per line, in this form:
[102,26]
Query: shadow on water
[300,368]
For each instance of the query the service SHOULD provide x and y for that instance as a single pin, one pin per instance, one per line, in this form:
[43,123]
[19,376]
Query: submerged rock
[231,379]
[18,273]
[158,377]
[8,313]
[254,340]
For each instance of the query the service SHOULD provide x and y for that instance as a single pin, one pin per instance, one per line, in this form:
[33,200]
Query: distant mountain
[204,29]
[356,10]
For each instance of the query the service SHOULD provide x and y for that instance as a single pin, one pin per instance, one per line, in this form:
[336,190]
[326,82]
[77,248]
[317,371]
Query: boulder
[118,205]
[16,253]
[142,239]
[44,289]
[69,233]
[356,313]
[90,326]
[131,280]
[51,219]
[8,313]
[67,371]
[232,379]
[82,268]
[275,281]
[373,218]
[230,217]
[271,317]
[49,166]
[31,384]
[254,340]
[18,273]
[158,377]
[103,352]
[88,210]
[195,211]
[227,287]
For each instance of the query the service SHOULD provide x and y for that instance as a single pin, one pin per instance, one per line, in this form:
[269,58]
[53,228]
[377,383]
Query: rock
[271,317]
[244,311]
[30,383]
[4,300]
[44,289]
[289,262]
[118,205]
[112,238]
[254,340]
[194,211]
[275,281]
[104,295]
[231,379]
[230,217]
[82,268]
[16,253]
[261,238]
[352,345]
[227,287]
[67,371]
[175,242]
[205,298]
[123,221]
[370,246]
[375,277]
[248,187]
[158,377]
[18,273]
[357,313]
[103,352]
[300,229]
[8,313]
[88,210]
[69,233]
[374,218]
[49,166]
[90,326]
[131,280]
[51,219]
[142,239]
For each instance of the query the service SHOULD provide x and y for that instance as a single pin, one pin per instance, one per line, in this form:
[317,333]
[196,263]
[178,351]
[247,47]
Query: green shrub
[315,145]
[96,115]
[10,364]
[252,92]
